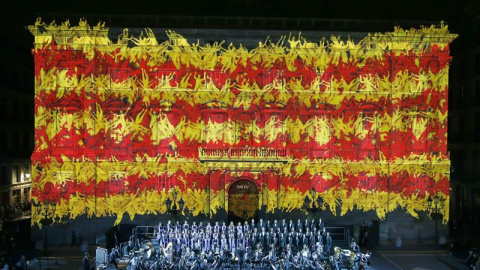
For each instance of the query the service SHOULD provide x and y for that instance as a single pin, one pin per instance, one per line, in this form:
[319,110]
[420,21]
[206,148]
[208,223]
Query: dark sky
[375,9]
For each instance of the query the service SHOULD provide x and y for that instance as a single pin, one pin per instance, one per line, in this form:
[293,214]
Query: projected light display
[120,124]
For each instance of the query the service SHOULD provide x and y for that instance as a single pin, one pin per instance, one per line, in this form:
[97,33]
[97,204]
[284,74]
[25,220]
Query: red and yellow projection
[119,124]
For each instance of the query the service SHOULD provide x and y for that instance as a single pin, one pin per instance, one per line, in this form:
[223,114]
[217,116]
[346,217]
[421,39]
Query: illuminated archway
[243,201]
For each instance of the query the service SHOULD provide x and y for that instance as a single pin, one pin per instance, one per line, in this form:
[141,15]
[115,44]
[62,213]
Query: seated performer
[114,255]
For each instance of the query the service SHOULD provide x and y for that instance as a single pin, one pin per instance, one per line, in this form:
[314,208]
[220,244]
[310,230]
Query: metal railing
[144,232]
[339,234]
[242,153]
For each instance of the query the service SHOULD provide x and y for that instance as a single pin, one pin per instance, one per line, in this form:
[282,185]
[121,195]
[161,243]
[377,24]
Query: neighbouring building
[238,132]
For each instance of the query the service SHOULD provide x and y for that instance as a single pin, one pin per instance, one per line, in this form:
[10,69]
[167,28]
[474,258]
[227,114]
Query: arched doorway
[243,201]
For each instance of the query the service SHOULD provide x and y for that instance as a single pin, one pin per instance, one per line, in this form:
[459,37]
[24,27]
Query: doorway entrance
[243,201]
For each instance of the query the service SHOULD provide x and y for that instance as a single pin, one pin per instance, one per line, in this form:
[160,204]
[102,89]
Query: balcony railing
[243,154]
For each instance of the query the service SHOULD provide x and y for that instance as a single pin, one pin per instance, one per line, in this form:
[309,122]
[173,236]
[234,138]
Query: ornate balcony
[252,154]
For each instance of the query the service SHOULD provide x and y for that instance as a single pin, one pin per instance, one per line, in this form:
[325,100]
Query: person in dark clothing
[73,240]
[113,257]
[86,262]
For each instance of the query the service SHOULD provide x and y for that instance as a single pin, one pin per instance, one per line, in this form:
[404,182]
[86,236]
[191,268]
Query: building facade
[236,132]
[16,124]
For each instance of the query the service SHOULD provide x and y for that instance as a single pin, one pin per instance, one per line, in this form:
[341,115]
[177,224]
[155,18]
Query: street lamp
[172,209]
[207,208]
[47,211]
[315,204]
[435,205]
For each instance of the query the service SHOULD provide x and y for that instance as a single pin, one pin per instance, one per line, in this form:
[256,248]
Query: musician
[269,237]
[305,253]
[290,239]
[169,226]
[239,228]
[288,259]
[240,256]
[275,225]
[178,243]
[186,238]
[246,240]
[224,228]
[194,227]
[307,236]
[210,257]
[312,239]
[161,237]
[300,233]
[86,262]
[355,247]
[178,227]
[114,255]
[291,226]
[221,259]
[282,241]
[321,225]
[223,242]
[246,228]
[297,242]
[216,227]
[127,248]
[231,227]
[260,225]
[306,225]
[159,229]
[215,240]
[208,228]
[263,237]
[254,237]
[328,243]
[297,260]
[185,226]
[283,225]
[252,225]
[206,242]
[271,257]
[299,225]
[231,241]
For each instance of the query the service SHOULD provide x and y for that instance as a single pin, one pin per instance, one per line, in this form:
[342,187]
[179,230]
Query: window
[166,78]
[119,78]
[245,128]
[216,129]
[366,181]
[366,135]
[26,194]
[418,140]
[14,175]
[15,196]
[119,130]
[65,128]
[164,182]
[275,129]
[117,182]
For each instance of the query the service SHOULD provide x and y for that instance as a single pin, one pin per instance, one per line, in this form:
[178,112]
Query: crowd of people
[14,210]
[258,245]
[269,235]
